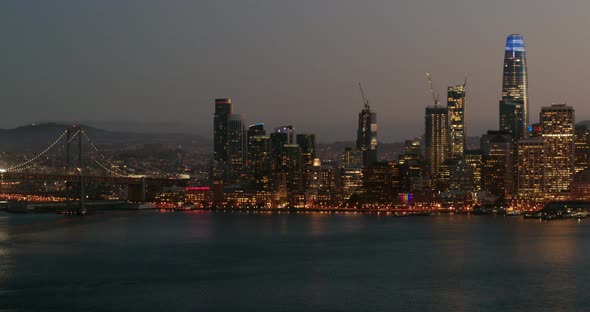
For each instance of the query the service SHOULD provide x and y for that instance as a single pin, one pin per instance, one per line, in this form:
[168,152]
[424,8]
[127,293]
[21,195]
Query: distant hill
[37,136]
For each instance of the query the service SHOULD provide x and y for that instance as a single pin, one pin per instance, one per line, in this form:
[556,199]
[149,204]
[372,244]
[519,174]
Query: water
[201,261]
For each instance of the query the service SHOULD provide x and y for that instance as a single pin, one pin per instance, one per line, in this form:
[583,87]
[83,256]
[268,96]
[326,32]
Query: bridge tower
[71,134]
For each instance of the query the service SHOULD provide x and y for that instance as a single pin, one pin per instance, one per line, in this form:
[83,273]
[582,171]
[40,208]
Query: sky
[283,62]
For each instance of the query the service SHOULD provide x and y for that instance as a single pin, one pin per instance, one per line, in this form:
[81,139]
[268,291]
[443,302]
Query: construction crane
[434,97]
[365,101]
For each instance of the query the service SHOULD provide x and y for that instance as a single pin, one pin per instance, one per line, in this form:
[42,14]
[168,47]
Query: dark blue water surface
[204,261]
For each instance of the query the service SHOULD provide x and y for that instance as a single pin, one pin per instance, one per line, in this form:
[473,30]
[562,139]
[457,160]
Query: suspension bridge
[81,163]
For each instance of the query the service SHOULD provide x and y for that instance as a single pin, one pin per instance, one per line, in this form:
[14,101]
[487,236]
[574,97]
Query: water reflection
[5,251]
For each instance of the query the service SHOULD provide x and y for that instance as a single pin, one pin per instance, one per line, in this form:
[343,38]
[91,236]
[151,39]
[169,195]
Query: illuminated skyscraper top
[514,115]
[514,86]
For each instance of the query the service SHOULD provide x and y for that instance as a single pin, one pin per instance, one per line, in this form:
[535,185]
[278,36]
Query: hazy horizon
[293,63]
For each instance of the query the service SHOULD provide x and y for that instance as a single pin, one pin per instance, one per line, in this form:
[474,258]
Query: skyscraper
[367,135]
[473,164]
[259,161]
[236,141]
[223,109]
[293,168]
[582,148]
[456,105]
[436,138]
[514,114]
[307,144]
[557,123]
[497,171]
[288,131]
[530,169]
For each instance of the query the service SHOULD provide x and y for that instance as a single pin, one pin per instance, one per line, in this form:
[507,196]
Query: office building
[223,110]
[436,138]
[514,114]
[236,141]
[456,106]
[530,167]
[367,135]
[557,124]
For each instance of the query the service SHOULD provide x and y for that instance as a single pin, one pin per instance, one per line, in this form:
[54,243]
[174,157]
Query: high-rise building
[412,150]
[380,182]
[473,164]
[530,169]
[514,114]
[557,124]
[582,149]
[351,180]
[307,144]
[223,110]
[352,158]
[293,168]
[259,158]
[456,106]
[236,141]
[288,131]
[278,142]
[497,172]
[367,135]
[436,138]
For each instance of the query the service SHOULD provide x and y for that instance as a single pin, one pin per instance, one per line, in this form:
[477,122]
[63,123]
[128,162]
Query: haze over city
[282,62]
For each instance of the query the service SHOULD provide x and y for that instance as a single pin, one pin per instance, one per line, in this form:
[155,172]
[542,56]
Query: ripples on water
[292,262]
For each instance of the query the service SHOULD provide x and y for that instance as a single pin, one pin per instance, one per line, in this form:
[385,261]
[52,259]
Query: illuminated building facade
[236,141]
[436,138]
[293,168]
[288,131]
[497,172]
[530,169]
[367,135]
[223,110]
[473,165]
[410,165]
[582,149]
[379,182]
[557,123]
[514,115]
[307,144]
[352,158]
[456,106]
[259,156]
[351,180]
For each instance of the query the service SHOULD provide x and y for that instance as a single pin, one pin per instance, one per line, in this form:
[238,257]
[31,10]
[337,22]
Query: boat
[185,207]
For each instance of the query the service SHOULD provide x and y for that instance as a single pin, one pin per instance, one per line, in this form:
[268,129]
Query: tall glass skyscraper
[456,106]
[236,142]
[366,140]
[514,114]
[223,110]
[436,138]
[558,132]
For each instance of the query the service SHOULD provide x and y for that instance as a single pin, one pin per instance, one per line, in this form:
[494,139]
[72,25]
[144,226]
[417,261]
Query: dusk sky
[283,62]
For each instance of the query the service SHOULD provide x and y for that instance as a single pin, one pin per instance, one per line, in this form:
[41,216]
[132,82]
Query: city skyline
[168,66]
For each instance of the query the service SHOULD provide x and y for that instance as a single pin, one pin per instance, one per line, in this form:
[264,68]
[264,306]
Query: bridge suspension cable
[110,164]
[49,147]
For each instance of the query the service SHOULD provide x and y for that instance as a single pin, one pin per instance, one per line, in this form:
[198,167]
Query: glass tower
[367,136]
[558,132]
[456,106]
[223,110]
[514,115]
[436,137]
